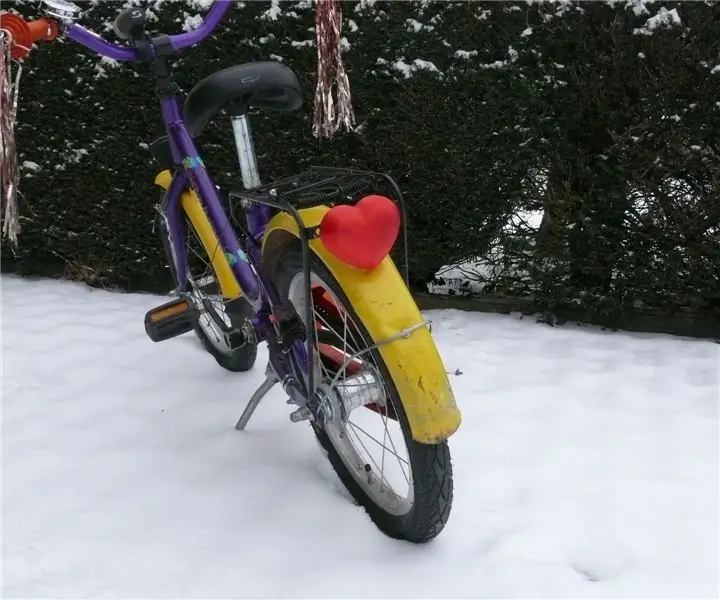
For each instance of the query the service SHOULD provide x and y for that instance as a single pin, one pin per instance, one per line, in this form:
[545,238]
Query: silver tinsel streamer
[9,172]
[333,106]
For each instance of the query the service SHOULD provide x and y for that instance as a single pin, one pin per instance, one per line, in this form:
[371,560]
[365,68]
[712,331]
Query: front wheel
[223,327]
[405,487]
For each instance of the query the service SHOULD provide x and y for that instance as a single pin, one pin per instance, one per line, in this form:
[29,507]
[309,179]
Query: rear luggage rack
[323,186]
[317,186]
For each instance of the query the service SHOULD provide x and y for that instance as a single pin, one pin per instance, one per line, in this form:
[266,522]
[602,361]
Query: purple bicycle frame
[190,171]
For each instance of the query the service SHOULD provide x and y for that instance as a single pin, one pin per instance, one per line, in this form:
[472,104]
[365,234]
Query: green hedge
[603,115]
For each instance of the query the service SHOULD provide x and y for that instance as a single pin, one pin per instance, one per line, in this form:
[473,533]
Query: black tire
[431,468]
[237,360]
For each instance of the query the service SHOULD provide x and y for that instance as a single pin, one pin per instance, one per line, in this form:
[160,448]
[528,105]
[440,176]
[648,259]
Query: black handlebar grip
[129,23]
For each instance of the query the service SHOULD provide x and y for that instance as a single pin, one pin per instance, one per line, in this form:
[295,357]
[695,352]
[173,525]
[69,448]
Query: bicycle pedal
[170,320]
[301,414]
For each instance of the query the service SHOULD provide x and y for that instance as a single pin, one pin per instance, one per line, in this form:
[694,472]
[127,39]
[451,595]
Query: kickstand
[270,380]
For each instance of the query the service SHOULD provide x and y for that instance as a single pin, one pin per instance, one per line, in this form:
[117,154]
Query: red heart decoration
[361,235]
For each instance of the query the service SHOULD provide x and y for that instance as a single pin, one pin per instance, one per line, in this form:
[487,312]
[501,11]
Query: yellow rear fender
[193,209]
[383,303]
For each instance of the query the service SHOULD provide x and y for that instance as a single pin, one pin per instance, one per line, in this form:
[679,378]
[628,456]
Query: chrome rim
[370,443]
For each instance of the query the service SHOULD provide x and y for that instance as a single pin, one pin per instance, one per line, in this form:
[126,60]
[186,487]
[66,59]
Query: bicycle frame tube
[185,154]
[190,171]
[193,172]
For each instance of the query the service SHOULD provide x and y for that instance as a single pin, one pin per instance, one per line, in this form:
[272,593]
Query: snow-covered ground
[586,466]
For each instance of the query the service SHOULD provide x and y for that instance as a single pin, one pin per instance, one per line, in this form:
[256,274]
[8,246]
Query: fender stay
[386,308]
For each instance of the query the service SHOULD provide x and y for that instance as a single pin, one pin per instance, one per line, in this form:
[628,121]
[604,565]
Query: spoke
[347,333]
[383,415]
[344,348]
[333,330]
[382,459]
[208,315]
[325,372]
[329,327]
[395,454]
[218,245]
[318,357]
[369,455]
[400,461]
[326,326]
[200,256]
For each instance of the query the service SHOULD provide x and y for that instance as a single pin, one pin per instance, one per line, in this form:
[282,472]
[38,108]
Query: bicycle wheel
[407,491]
[223,326]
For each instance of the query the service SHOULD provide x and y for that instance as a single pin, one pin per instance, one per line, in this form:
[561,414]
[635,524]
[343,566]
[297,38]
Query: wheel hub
[336,402]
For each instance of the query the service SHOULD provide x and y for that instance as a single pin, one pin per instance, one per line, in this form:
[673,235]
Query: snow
[30,165]
[192,22]
[638,6]
[363,4]
[586,466]
[273,12]
[424,65]
[663,19]
[415,26]
[408,69]
[465,54]
[499,64]
[201,4]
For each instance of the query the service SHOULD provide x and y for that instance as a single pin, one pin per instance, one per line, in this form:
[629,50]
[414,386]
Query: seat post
[245,150]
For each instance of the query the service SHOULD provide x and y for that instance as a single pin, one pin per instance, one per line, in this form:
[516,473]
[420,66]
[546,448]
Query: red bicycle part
[363,234]
[24,33]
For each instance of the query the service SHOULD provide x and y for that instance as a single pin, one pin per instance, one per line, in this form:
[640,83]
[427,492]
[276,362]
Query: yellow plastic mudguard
[193,209]
[384,305]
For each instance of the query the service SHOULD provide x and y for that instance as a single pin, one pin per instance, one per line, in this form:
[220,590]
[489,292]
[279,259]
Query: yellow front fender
[190,203]
[383,303]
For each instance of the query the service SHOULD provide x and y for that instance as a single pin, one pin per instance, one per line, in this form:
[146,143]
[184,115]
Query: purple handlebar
[217,13]
[94,42]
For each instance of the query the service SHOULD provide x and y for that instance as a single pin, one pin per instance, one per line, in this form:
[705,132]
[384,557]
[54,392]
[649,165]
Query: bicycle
[302,264]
